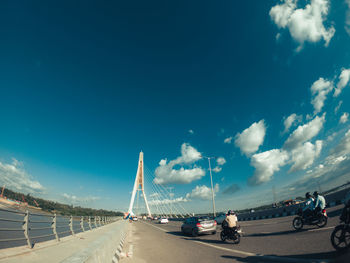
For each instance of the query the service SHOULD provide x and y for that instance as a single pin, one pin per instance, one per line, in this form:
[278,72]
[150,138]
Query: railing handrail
[74,224]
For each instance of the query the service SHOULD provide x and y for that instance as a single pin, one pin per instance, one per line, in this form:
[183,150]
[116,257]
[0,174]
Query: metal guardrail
[29,222]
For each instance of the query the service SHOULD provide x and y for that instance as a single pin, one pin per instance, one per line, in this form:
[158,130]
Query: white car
[134,218]
[163,220]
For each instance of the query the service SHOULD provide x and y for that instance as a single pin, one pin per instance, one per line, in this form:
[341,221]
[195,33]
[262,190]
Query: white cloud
[217,169]
[338,106]
[166,174]
[347,21]
[266,164]
[344,118]
[290,120]
[319,91]
[305,132]
[79,200]
[251,138]
[343,148]
[228,140]
[202,192]
[304,156]
[344,79]
[220,161]
[191,131]
[16,178]
[304,24]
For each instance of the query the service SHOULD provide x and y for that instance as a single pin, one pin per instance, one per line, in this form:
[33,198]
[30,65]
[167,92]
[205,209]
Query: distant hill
[63,209]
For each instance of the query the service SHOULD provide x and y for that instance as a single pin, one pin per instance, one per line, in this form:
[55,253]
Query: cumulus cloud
[304,156]
[290,120]
[228,140]
[220,161]
[16,178]
[342,149]
[266,164]
[251,138]
[319,91]
[344,79]
[217,169]
[202,192]
[304,24]
[79,200]
[344,118]
[167,174]
[305,133]
[338,106]
[233,188]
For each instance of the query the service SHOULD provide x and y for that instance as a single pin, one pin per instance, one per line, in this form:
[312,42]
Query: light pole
[211,181]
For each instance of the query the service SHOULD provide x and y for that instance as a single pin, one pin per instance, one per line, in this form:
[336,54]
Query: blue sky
[86,86]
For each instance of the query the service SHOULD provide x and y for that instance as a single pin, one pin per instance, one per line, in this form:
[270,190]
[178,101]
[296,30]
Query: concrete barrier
[107,248]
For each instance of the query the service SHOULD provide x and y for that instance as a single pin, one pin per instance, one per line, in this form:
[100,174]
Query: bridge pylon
[139,186]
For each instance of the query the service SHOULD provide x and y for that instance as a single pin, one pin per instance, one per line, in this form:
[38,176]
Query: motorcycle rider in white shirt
[309,205]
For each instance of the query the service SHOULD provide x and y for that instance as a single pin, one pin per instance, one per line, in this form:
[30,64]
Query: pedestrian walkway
[97,244]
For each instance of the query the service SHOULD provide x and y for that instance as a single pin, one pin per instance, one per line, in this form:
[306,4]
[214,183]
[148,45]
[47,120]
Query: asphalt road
[263,241]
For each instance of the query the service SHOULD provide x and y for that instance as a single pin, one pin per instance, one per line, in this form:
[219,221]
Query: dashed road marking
[320,229]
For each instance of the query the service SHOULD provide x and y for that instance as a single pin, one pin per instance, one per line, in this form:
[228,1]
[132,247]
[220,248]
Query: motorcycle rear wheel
[237,238]
[298,223]
[322,222]
[340,238]
[223,236]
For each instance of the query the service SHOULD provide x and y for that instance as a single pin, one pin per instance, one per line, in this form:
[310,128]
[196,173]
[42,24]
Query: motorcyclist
[309,205]
[230,220]
[345,215]
[320,203]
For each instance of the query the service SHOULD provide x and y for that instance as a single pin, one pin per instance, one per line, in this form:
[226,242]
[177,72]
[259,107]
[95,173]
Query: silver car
[199,225]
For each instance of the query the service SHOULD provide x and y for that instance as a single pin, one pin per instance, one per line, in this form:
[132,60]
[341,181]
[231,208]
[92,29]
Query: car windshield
[204,218]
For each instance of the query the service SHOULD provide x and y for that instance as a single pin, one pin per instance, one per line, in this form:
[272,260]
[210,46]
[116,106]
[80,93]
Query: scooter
[319,220]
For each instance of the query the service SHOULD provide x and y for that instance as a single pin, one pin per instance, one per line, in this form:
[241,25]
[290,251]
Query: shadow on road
[275,233]
[335,212]
[176,233]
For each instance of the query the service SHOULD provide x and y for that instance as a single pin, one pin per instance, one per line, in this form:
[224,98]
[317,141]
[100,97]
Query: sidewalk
[78,248]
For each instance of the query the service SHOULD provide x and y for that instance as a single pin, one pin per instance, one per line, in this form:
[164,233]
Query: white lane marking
[320,229]
[275,258]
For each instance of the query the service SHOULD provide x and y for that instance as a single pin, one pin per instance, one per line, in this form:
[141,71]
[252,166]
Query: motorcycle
[319,220]
[231,234]
[340,237]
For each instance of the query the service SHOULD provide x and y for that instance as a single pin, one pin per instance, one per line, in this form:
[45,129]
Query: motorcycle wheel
[222,236]
[298,223]
[340,238]
[322,221]
[237,238]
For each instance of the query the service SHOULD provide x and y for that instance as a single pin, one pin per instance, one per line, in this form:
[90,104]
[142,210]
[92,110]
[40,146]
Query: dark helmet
[308,195]
[230,212]
[315,193]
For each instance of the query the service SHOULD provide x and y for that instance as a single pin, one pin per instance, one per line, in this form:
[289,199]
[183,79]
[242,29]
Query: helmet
[230,212]
[315,193]
[308,195]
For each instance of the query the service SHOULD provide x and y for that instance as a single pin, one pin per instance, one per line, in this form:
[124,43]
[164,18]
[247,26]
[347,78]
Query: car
[199,225]
[134,218]
[155,218]
[220,218]
[163,220]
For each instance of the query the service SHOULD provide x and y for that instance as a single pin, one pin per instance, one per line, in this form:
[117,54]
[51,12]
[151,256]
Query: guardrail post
[54,227]
[26,229]
[71,225]
[82,223]
[99,220]
[90,222]
[95,222]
